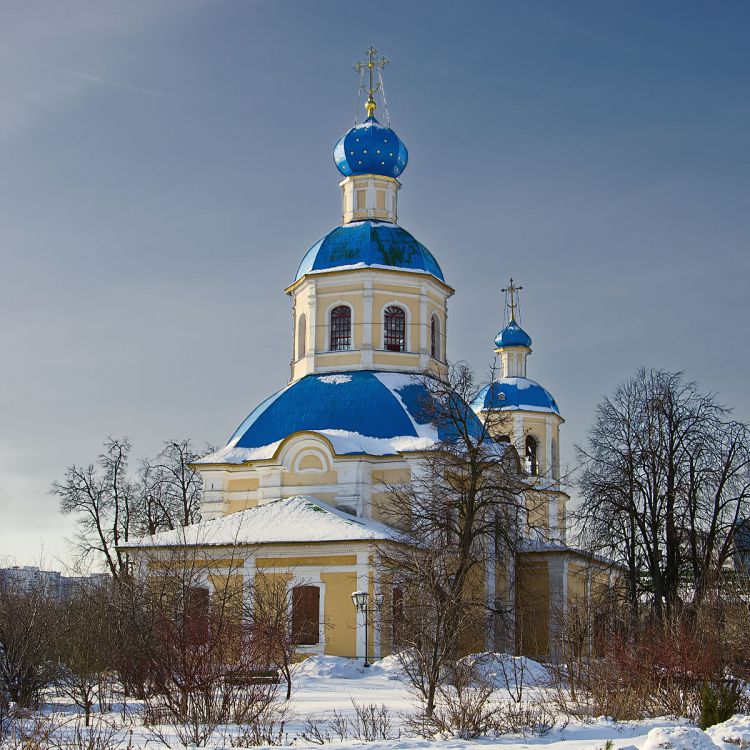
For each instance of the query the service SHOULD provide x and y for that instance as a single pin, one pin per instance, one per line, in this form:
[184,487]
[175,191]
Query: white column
[491,593]
[367,345]
[558,602]
[248,578]
[312,312]
[370,198]
[376,614]
[362,585]
[424,351]
[518,435]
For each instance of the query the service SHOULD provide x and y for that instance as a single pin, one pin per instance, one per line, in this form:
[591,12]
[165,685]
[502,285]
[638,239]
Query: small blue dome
[513,335]
[361,403]
[369,243]
[514,393]
[370,148]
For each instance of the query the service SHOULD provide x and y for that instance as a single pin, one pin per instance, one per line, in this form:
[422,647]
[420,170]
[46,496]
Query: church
[298,489]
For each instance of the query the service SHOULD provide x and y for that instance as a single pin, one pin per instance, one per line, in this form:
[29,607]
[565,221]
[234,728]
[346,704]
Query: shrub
[719,701]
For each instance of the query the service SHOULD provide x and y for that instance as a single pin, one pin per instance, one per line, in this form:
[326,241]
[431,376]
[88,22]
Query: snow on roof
[515,393]
[359,412]
[301,518]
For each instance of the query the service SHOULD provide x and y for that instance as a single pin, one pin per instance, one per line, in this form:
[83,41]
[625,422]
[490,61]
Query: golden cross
[512,292]
[371,64]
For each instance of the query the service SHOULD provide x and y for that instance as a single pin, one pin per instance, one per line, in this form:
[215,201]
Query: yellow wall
[238,505]
[291,479]
[532,608]
[291,562]
[247,484]
[341,619]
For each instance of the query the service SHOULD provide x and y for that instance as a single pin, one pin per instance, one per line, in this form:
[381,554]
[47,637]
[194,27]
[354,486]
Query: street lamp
[359,600]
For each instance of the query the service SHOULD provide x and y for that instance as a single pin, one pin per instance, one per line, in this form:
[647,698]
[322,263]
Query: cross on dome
[370,148]
[372,65]
[511,298]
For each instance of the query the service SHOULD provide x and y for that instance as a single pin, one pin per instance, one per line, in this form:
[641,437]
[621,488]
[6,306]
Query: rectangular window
[361,199]
[196,614]
[305,615]
[380,200]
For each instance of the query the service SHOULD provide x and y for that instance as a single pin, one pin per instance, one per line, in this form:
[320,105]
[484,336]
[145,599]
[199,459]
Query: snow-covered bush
[731,734]
[678,738]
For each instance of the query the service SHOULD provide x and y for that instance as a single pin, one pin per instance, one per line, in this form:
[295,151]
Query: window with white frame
[394,329]
[341,328]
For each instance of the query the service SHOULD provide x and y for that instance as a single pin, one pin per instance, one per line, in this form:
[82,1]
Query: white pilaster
[312,313]
[424,351]
[371,184]
[363,584]
[367,346]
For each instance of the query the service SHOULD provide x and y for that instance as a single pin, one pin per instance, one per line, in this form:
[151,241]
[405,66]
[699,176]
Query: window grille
[395,329]
[341,328]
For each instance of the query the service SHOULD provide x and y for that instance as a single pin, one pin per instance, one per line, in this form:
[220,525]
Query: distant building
[742,547]
[30,577]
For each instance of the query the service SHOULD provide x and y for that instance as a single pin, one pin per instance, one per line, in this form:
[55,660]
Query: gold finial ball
[370,106]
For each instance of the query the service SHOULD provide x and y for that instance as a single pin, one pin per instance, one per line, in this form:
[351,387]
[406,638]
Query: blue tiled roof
[512,335]
[372,404]
[370,148]
[369,243]
[514,393]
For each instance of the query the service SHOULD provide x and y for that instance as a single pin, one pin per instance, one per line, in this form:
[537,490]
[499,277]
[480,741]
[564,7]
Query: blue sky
[165,165]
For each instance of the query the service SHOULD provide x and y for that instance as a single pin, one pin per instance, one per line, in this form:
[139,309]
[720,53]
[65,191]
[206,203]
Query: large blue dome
[370,148]
[514,393]
[512,335]
[362,411]
[369,243]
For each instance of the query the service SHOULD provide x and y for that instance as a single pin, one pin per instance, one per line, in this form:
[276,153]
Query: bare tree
[87,646]
[101,496]
[111,507]
[460,511]
[200,653]
[665,481]
[170,489]
[28,641]
[268,614]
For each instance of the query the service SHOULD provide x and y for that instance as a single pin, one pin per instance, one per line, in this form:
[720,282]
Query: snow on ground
[324,684]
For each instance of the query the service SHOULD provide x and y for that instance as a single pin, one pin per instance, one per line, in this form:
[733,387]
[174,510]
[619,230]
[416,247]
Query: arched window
[503,438]
[435,337]
[306,615]
[341,328]
[531,459]
[301,336]
[394,323]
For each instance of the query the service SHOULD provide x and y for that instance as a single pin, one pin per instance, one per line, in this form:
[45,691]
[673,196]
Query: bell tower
[369,295]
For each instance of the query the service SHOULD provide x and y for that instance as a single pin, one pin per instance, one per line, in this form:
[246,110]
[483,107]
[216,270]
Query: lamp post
[359,600]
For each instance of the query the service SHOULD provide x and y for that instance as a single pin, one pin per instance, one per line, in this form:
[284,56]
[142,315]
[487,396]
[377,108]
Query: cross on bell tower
[511,299]
[373,67]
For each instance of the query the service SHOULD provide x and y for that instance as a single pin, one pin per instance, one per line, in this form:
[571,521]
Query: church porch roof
[300,519]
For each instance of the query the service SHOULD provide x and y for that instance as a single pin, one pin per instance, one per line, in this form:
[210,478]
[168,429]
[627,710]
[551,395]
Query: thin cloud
[106,81]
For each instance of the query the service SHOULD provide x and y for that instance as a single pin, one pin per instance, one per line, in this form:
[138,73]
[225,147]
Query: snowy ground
[325,684]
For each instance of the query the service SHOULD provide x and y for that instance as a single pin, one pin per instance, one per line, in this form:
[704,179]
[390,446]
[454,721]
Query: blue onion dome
[512,335]
[370,148]
[369,243]
[513,393]
[360,411]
